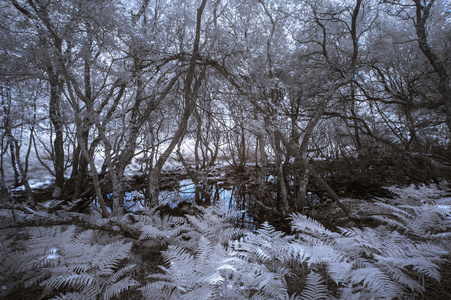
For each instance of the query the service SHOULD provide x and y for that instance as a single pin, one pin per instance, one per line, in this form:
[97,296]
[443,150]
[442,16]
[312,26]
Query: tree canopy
[91,86]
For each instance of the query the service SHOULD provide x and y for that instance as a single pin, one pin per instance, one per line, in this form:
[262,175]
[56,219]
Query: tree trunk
[81,172]
[283,197]
[14,163]
[22,169]
[154,175]
[261,173]
[302,189]
[117,178]
[199,184]
[88,157]
[57,121]
[190,99]
[296,154]
[444,86]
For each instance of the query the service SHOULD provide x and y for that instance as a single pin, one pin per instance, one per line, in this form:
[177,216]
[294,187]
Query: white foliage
[315,288]
[58,260]
[208,258]
[364,263]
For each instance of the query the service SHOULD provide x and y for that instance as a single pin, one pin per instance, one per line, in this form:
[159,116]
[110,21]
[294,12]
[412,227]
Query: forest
[225,149]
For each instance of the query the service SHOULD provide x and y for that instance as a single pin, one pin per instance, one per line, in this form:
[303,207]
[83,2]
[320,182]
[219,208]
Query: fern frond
[428,268]
[109,257]
[262,255]
[177,255]
[350,293]
[150,232]
[392,208]
[85,237]
[323,253]
[306,224]
[78,267]
[120,273]
[215,224]
[78,281]
[267,232]
[441,236]
[295,252]
[230,233]
[203,256]
[338,270]
[315,288]
[395,270]
[265,245]
[390,221]
[160,290]
[273,284]
[430,250]
[118,287]
[36,279]
[71,296]
[357,241]
[202,292]
[421,220]
[375,281]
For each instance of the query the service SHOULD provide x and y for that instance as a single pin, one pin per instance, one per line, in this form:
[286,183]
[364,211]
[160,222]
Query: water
[231,199]
[134,201]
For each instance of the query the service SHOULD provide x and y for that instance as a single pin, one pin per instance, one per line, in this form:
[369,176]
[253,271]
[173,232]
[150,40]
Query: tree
[422,15]
[191,86]
[271,81]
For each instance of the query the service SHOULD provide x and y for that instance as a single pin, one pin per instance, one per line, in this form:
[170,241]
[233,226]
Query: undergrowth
[206,257]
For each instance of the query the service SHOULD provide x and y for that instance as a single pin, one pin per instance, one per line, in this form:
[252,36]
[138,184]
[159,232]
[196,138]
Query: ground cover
[393,247]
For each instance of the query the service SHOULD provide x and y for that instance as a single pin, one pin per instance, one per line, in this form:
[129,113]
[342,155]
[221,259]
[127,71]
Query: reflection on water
[232,198]
[134,201]
[234,195]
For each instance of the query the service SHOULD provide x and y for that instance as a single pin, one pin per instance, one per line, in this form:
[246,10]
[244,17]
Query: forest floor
[150,253]
[359,192]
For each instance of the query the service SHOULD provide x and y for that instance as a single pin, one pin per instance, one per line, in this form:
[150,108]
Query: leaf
[375,281]
[77,281]
[315,288]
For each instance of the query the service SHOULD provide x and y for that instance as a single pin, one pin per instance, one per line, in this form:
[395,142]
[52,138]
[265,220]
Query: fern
[187,273]
[422,221]
[221,262]
[266,245]
[315,288]
[71,296]
[206,266]
[308,225]
[57,259]
[372,282]
[100,275]
[208,258]
[29,259]
[116,286]
[363,263]
[273,284]
[374,262]
[155,227]
[215,224]
[77,281]
[214,271]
